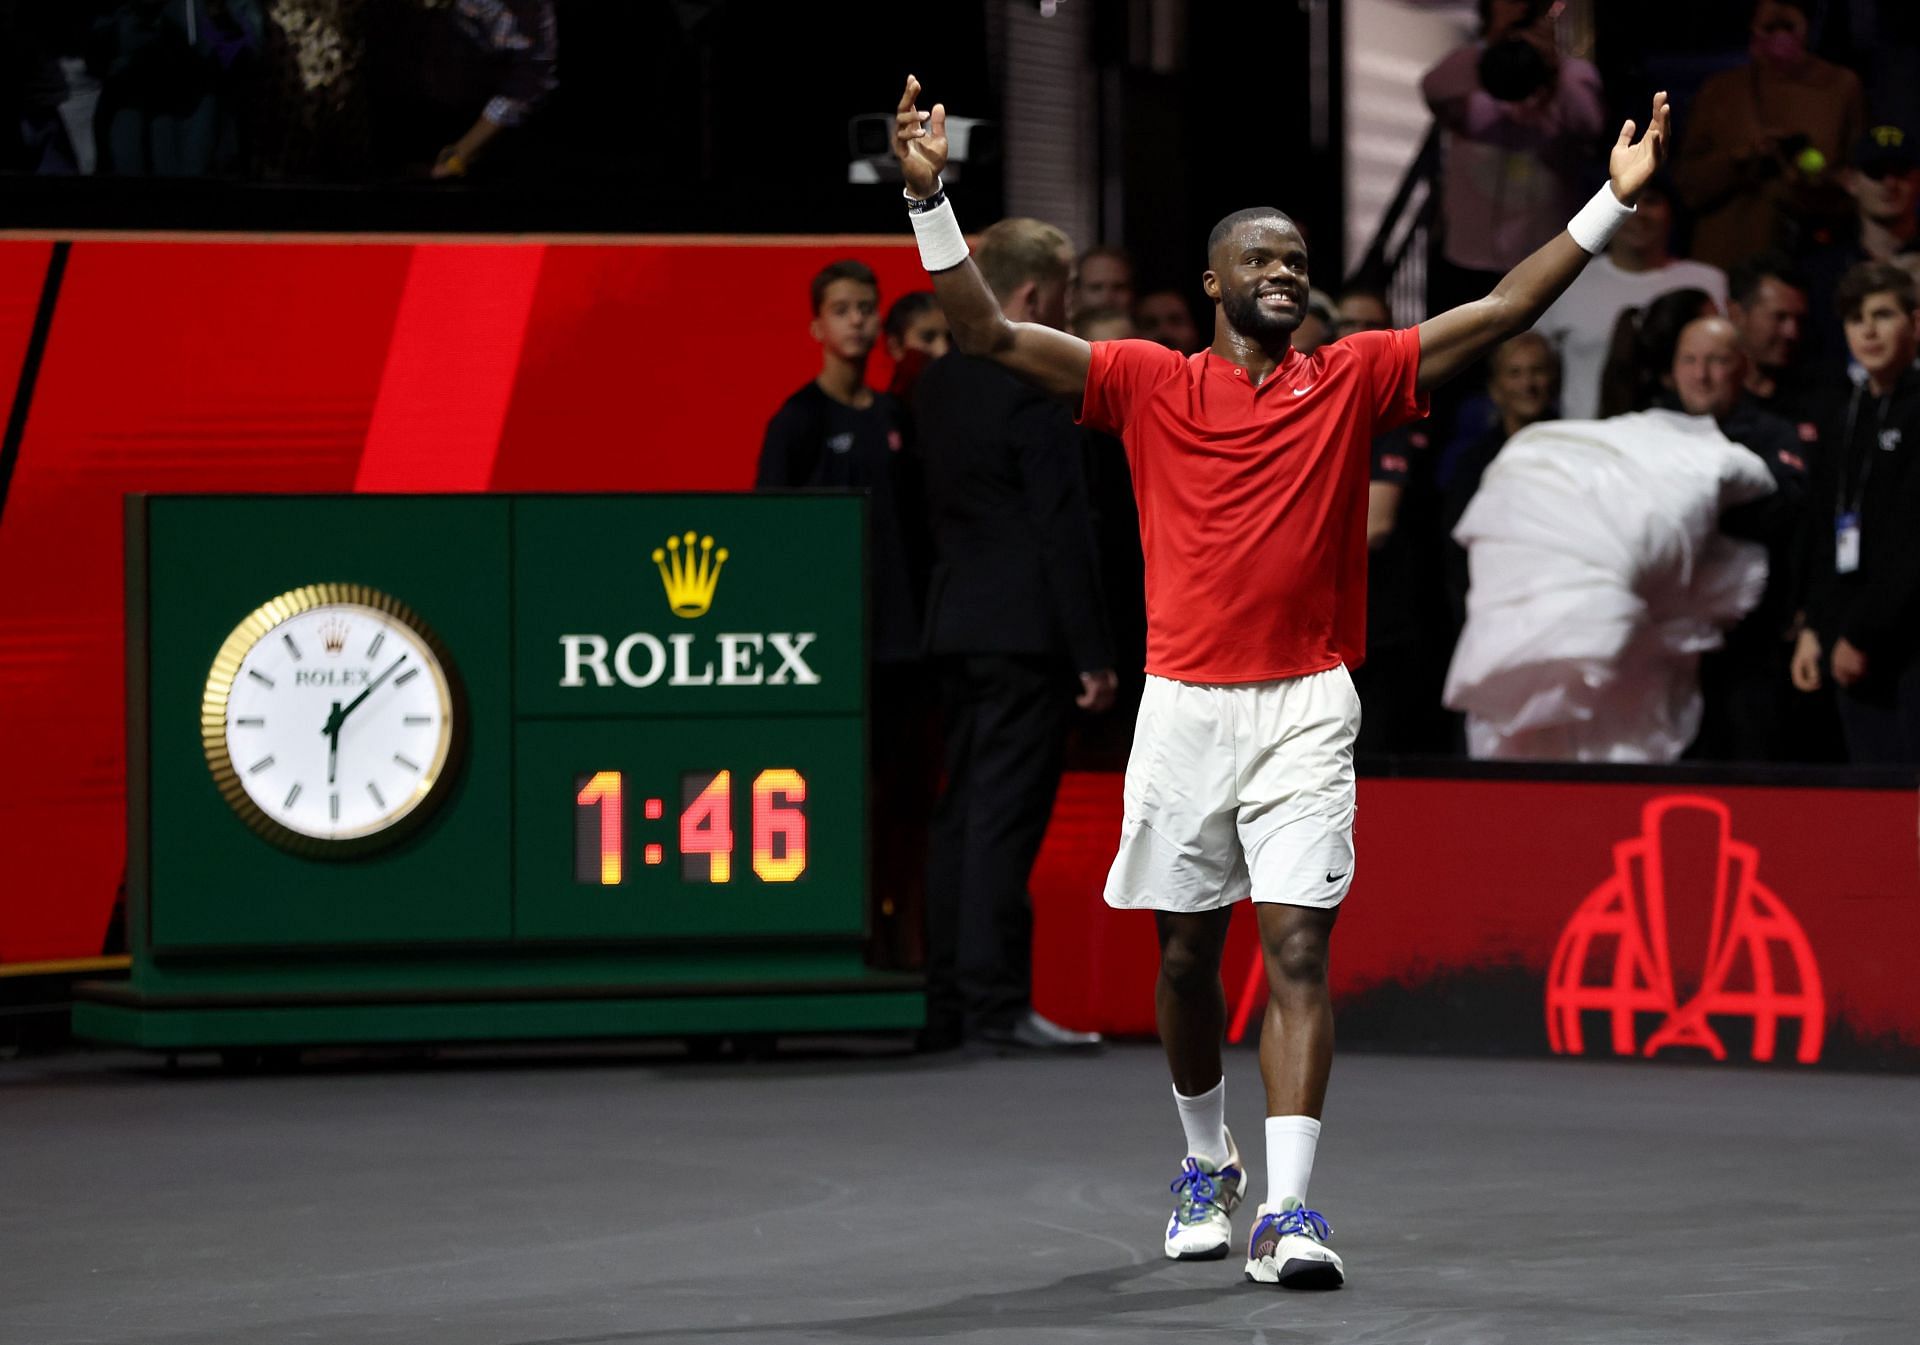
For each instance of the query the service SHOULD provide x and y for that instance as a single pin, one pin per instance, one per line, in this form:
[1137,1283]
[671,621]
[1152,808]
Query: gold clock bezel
[435,779]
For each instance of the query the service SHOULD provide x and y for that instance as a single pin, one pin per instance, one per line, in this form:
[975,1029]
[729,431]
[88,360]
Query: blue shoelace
[1196,1187]
[1312,1223]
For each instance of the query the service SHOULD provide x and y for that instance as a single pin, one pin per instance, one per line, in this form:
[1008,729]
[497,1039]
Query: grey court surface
[617,1196]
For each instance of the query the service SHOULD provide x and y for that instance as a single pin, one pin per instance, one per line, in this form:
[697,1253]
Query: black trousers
[903,764]
[1006,719]
[1882,720]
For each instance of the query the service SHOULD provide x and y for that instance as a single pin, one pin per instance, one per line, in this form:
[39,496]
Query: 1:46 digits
[702,832]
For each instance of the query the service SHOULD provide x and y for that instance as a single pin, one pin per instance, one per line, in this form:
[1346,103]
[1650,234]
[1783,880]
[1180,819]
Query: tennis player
[1250,464]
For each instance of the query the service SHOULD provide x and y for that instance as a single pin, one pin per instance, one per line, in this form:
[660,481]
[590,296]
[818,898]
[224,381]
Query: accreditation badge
[1846,542]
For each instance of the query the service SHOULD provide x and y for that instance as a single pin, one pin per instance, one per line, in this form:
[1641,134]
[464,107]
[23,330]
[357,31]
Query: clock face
[329,717]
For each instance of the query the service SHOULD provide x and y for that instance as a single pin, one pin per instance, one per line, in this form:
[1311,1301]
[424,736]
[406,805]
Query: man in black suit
[1016,620]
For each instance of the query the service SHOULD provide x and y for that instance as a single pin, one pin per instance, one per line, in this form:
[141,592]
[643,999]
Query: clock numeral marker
[292,648]
[259,676]
[261,764]
[333,806]
[374,790]
[417,719]
[292,794]
[374,648]
[251,722]
[410,765]
[406,677]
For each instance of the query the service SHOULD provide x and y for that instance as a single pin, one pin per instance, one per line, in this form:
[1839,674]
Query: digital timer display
[702,829]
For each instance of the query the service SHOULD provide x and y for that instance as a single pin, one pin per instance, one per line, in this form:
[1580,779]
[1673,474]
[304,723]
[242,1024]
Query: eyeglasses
[1883,170]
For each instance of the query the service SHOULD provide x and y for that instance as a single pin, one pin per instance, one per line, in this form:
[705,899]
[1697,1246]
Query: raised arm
[1053,361]
[1454,340]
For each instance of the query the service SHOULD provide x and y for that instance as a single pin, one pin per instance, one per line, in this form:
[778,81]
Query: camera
[1514,69]
[870,147]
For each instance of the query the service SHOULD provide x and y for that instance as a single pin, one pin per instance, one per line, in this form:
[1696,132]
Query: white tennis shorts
[1239,790]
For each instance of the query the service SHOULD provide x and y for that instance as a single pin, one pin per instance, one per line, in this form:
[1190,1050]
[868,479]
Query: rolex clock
[331,718]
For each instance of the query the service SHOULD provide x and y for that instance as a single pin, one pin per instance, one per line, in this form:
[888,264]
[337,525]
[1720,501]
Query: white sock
[1204,1118]
[1290,1144]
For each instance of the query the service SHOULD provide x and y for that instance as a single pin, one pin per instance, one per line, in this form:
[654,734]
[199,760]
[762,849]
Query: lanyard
[1850,504]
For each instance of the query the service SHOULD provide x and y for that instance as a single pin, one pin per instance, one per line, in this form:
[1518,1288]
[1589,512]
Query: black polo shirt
[818,442]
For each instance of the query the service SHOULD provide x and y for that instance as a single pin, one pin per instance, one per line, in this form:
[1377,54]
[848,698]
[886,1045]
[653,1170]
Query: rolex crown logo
[333,635]
[689,578]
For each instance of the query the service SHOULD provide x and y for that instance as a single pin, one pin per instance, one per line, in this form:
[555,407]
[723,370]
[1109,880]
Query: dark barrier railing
[1399,258]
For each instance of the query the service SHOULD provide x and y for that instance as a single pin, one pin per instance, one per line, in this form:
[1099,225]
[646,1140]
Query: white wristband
[1593,228]
[942,245]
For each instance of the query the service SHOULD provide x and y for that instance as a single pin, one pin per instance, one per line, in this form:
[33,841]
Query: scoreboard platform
[485,767]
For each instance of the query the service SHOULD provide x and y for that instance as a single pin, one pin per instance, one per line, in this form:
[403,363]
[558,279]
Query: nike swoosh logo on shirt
[1301,392]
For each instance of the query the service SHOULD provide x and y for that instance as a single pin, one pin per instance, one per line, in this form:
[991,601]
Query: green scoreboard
[486,767]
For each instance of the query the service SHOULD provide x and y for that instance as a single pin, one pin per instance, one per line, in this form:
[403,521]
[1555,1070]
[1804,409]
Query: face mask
[1782,48]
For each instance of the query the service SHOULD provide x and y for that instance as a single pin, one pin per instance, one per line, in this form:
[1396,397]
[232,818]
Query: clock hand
[339,716]
[333,747]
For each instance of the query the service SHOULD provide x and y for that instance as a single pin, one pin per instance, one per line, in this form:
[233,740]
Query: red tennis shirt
[1253,500]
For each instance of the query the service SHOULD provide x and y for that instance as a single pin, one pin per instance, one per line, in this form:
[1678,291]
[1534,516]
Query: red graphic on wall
[1681,943]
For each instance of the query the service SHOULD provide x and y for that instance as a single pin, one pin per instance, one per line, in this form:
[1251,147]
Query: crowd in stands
[1766,285]
[351,90]
[1744,290]
[1764,294]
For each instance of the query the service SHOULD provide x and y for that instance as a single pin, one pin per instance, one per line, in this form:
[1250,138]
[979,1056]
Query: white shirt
[1580,323]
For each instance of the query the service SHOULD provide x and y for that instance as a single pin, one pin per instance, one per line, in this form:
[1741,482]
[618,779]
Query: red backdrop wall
[1652,918]
[334,365]
[316,365]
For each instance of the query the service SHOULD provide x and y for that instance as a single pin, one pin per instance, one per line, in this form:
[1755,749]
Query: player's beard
[1245,316]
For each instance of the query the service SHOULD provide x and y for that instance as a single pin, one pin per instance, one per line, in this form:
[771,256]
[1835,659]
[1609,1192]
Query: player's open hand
[920,141]
[1634,162]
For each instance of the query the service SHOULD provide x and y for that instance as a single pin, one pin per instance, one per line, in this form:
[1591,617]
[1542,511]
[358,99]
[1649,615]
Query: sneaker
[1289,1248]
[1202,1225]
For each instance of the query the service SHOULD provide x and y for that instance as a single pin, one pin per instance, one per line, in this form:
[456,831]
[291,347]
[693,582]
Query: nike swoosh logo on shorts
[1301,392]
[1335,877]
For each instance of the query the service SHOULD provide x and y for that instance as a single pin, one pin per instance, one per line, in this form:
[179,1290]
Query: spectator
[1598,577]
[915,323]
[174,75]
[916,334]
[47,99]
[1762,141]
[1361,310]
[838,433]
[1767,302]
[467,79]
[1166,317]
[1015,618]
[1399,684]
[1746,715]
[326,65]
[1860,552]
[1524,383]
[1522,128]
[1884,183]
[1103,324]
[1317,327]
[1639,368]
[1636,268]
[1104,742]
[1104,279]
